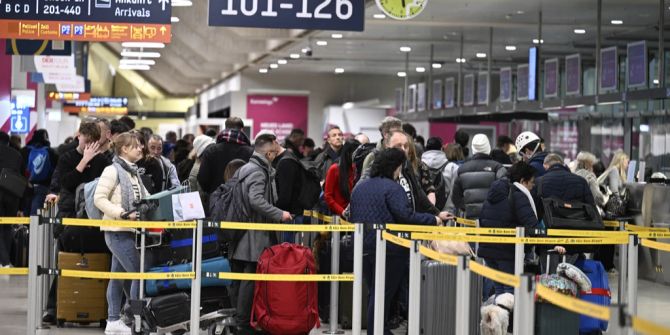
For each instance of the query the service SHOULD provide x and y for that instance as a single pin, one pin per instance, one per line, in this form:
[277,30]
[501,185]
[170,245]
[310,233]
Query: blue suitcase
[156,287]
[600,294]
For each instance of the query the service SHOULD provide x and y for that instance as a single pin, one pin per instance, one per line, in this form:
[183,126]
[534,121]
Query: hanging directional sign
[289,14]
[86,20]
[19,119]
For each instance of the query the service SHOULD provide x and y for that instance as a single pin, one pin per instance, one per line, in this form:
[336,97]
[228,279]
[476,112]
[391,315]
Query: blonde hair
[618,164]
[127,139]
[584,158]
[413,158]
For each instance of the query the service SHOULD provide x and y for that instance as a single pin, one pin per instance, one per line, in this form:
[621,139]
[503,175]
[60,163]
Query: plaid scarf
[233,136]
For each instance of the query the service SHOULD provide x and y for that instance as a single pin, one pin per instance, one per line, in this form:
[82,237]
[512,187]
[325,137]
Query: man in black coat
[294,141]
[560,183]
[9,204]
[232,143]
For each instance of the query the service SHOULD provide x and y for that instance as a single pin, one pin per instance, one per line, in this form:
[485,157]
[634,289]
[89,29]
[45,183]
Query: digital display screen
[573,75]
[449,88]
[483,88]
[469,90]
[522,82]
[506,84]
[532,73]
[637,64]
[551,78]
[609,69]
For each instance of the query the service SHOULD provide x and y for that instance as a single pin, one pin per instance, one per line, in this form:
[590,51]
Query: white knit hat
[201,143]
[480,144]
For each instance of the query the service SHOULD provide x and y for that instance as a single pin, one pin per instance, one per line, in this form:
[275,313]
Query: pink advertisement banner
[277,113]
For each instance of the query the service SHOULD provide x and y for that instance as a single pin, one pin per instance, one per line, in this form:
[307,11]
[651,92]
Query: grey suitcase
[550,319]
[438,299]
[345,304]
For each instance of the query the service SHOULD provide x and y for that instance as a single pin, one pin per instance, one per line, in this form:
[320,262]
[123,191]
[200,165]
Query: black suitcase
[345,315]
[19,247]
[178,248]
[553,320]
[167,310]
[324,261]
[83,240]
[438,299]
[213,299]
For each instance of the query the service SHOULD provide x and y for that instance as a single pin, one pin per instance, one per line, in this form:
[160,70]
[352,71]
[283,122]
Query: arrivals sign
[86,20]
[289,14]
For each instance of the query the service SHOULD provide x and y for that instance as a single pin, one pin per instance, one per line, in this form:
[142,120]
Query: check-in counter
[655,212]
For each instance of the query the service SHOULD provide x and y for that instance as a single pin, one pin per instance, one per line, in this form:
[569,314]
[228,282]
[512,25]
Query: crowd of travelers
[399,179]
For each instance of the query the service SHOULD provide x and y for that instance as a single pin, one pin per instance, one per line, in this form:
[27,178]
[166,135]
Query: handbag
[12,182]
[452,248]
[616,205]
[559,214]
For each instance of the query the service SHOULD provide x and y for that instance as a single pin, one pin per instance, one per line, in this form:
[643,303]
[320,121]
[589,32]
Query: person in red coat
[340,179]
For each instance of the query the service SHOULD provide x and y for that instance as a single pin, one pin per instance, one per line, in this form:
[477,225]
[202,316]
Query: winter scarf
[233,136]
[127,193]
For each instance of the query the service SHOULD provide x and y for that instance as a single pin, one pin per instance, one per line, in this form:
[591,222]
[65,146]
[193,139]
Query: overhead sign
[532,73]
[609,69]
[289,14]
[483,88]
[551,78]
[506,84]
[637,64]
[277,113]
[19,119]
[98,105]
[573,75]
[69,96]
[38,47]
[522,82]
[91,20]
[469,90]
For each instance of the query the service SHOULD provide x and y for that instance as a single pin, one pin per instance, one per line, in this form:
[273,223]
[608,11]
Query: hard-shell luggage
[285,307]
[324,253]
[19,247]
[82,300]
[600,294]
[84,240]
[179,246]
[438,299]
[168,310]
[156,287]
[550,319]
[345,316]
[213,299]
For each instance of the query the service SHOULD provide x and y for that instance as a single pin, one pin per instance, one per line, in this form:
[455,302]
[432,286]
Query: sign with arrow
[86,20]
[19,120]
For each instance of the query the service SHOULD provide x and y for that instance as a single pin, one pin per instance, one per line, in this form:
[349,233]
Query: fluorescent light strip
[274,66]
[321,43]
[421,69]
[402,74]
[336,36]
[405,49]
[510,48]
[138,67]
[174,19]
[294,56]
[379,16]
[437,66]
[580,31]
[282,62]
[138,54]
[263,70]
[125,61]
[148,45]
[481,55]
[182,3]
[339,70]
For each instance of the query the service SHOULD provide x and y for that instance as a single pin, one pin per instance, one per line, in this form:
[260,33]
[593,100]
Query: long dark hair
[346,160]
[387,162]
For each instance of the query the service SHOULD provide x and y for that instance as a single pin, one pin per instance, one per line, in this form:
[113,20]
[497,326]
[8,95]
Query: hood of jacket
[434,158]
[499,191]
[538,158]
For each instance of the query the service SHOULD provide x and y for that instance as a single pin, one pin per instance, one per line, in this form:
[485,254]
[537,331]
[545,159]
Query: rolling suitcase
[600,294]
[553,320]
[82,300]
[345,316]
[167,310]
[438,299]
[179,248]
[156,287]
[19,247]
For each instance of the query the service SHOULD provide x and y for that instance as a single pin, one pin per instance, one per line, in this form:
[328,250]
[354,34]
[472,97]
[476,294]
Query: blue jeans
[504,266]
[289,236]
[125,258]
[39,195]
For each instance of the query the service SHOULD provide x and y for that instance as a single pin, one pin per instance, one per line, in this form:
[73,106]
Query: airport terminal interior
[526,87]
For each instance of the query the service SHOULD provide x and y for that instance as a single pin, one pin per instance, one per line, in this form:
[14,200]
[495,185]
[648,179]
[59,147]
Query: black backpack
[440,184]
[227,204]
[309,180]
[360,154]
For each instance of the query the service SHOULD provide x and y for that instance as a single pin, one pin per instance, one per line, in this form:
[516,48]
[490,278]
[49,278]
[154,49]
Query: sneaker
[5,278]
[117,328]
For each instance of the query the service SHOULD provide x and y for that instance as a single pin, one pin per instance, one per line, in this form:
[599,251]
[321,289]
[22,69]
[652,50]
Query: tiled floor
[653,304]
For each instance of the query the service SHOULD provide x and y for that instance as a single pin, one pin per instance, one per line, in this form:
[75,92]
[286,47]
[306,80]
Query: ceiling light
[294,56]
[420,69]
[336,36]
[617,22]
[656,81]
[339,70]
[138,67]
[274,66]
[137,61]
[580,31]
[402,74]
[536,41]
[263,70]
[405,49]
[321,43]
[460,60]
[520,12]
[174,19]
[510,47]
[379,16]
[182,3]
[348,105]
[437,65]
[481,55]
[139,54]
[282,62]
[148,45]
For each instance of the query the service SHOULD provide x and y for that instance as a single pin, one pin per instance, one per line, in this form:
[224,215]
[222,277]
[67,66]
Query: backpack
[310,182]
[84,200]
[286,307]
[39,163]
[227,204]
[360,154]
[440,184]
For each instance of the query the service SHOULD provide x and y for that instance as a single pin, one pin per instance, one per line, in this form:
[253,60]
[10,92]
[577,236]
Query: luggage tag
[187,205]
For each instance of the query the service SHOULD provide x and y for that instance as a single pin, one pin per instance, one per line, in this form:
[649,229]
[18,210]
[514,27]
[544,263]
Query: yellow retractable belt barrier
[397,240]
[318,216]
[126,275]
[655,245]
[611,223]
[11,220]
[440,257]
[648,328]
[525,240]
[128,224]
[466,222]
[14,271]
[495,275]
[635,228]
[285,227]
[461,230]
[651,234]
[573,304]
[586,233]
[276,277]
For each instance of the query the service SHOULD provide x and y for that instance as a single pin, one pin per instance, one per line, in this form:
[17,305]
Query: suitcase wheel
[60,323]
[103,324]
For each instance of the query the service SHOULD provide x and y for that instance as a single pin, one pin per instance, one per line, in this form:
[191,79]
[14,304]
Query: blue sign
[532,72]
[125,11]
[19,120]
[289,14]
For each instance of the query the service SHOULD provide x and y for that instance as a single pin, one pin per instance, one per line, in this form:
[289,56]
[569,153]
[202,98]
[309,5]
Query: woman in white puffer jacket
[117,191]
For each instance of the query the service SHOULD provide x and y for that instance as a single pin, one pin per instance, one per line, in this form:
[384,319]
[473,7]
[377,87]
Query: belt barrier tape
[438,256]
[462,230]
[285,227]
[573,304]
[466,222]
[14,271]
[495,275]
[126,275]
[655,245]
[286,277]
[611,223]
[525,240]
[318,216]
[14,220]
[635,228]
[128,224]
[645,327]
[397,240]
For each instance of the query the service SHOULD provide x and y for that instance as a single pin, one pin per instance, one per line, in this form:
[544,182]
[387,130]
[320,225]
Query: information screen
[551,78]
[637,64]
[609,69]
[573,75]
[449,89]
[506,84]
[522,82]
[483,88]
[437,94]
[469,90]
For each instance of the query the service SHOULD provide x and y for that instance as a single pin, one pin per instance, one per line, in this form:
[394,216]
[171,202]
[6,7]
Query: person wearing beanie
[200,143]
[170,177]
[475,177]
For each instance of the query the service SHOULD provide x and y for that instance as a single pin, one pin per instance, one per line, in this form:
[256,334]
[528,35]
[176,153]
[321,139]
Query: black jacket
[293,148]
[325,159]
[504,209]
[472,185]
[214,160]
[289,183]
[501,157]
[560,183]
[421,202]
[68,178]
[11,159]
